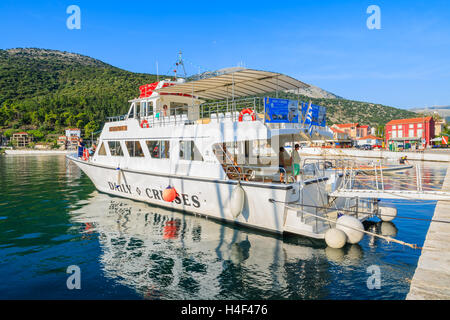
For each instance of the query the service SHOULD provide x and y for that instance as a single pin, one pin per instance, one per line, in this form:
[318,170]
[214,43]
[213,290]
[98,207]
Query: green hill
[48,90]
[45,91]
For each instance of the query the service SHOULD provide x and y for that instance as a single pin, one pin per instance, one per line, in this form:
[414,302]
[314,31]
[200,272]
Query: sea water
[52,218]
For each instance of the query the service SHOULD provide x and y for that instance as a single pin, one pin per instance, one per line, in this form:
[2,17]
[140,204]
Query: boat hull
[207,197]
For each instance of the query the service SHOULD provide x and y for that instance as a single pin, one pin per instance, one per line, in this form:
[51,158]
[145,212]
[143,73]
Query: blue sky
[325,43]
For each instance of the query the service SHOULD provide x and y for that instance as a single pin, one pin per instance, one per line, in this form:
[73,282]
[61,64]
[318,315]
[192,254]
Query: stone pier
[431,280]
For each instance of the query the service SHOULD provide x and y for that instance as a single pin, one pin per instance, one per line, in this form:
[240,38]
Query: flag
[308,119]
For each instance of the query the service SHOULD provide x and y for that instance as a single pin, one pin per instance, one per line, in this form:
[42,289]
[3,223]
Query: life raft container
[249,112]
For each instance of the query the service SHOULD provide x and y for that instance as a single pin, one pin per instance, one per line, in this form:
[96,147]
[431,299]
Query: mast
[179,63]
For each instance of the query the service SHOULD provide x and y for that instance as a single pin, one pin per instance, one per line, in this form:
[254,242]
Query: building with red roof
[340,138]
[354,130]
[370,140]
[409,132]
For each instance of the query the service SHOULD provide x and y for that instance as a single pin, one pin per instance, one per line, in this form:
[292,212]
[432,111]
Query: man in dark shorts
[80,147]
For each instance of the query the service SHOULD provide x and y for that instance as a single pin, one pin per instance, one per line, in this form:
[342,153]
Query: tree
[90,128]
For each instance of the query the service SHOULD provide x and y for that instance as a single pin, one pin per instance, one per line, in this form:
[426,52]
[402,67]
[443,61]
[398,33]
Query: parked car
[366,147]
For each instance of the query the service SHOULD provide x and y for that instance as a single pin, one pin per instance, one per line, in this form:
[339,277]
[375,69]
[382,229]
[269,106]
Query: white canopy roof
[240,83]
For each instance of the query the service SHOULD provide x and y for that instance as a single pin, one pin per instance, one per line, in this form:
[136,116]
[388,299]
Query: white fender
[351,226]
[237,200]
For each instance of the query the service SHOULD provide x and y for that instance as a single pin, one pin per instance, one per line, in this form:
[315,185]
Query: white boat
[218,151]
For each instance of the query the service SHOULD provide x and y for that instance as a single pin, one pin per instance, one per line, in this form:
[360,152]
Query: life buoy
[144,123]
[85,154]
[247,111]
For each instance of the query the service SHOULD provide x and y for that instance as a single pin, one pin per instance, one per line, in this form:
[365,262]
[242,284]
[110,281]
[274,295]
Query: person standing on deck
[295,159]
[80,147]
[281,163]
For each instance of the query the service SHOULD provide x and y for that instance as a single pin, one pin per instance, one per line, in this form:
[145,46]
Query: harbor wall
[380,154]
[431,280]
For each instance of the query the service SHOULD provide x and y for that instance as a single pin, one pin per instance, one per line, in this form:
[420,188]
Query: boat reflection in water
[164,254]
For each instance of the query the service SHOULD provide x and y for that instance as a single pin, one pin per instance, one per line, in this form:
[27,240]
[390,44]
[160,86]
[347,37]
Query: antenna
[179,63]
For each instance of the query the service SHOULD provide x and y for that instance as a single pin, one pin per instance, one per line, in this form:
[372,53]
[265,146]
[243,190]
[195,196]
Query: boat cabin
[216,127]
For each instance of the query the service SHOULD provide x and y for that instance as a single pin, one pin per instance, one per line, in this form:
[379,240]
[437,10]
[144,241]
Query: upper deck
[222,98]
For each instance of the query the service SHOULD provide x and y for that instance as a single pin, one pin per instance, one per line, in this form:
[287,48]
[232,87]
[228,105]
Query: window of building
[394,127]
[134,148]
[102,150]
[115,148]
[394,134]
[411,126]
[419,125]
[411,133]
[188,151]
[419,133]
[159,149]
[400,133]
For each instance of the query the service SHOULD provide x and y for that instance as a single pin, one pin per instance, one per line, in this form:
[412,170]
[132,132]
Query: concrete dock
[431,280]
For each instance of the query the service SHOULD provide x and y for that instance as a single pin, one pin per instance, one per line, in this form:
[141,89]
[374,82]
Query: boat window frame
[194,151]
[102,147]
[142,154]
[121,148]
[158,144]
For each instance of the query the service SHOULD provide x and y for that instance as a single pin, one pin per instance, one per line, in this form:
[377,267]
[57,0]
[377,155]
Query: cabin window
[102,150]
[153,148]
[134,149]
[149,108]
[143,107]
[188,151]
[131,112]
[159,149]
[165,149]
[115,148]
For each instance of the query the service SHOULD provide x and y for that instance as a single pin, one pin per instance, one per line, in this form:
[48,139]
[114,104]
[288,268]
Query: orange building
[354,130]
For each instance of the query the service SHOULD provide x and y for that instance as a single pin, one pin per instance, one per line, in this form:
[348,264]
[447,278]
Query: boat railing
[224,110]
[230,110]
[116,118]
[314,166]
[254,173]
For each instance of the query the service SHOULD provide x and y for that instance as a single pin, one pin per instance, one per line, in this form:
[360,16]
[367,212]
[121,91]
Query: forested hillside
[48,90]
[44,91]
